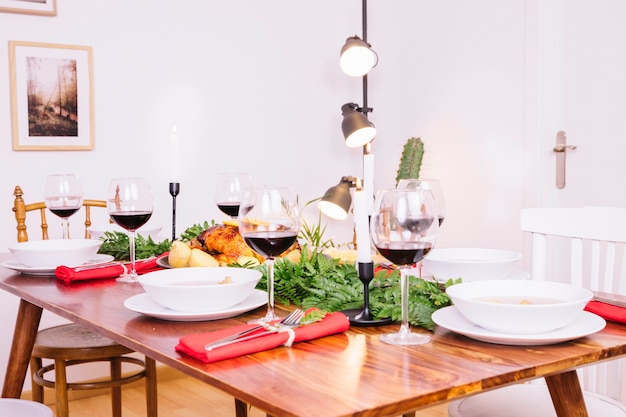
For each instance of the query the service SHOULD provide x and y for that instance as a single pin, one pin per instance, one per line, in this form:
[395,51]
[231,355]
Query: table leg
[567,395]
[24,334]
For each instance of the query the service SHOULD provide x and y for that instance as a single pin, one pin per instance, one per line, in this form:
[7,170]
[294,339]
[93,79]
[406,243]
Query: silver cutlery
[612,299]
[292,320]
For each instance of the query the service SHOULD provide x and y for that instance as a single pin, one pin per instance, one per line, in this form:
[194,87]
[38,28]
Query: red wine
[404,253]
[440,220]
[231,209]
[131,220]
[64,212]
[270,244]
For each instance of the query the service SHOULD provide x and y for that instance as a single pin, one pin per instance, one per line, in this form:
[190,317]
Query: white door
[576,74]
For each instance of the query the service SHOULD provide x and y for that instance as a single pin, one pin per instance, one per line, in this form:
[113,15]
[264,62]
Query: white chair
[11,407]
[586,247]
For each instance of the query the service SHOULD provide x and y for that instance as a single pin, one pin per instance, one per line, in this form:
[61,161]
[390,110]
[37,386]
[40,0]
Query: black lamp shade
[357,129]
[357,58]
[336,201]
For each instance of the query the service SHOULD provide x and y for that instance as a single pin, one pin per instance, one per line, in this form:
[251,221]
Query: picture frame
[52,104]
[35,7]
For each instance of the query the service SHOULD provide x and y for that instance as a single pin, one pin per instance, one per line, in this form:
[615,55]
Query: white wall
[256,86]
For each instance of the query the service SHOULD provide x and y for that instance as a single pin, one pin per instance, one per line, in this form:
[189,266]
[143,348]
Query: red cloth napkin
[107,270]
[193,345]
[607,311]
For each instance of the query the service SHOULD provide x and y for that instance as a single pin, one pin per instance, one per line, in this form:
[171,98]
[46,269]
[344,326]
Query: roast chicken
[226,245]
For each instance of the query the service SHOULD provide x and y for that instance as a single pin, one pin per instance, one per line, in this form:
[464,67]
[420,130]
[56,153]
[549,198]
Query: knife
[608,298]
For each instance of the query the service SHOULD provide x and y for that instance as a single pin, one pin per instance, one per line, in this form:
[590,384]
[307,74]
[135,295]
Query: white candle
[368,181]
[174,154]
[363,252]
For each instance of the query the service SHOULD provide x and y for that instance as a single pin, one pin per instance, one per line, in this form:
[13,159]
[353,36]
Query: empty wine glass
[404,230]
[269,222]
[63,194]
[129,202]
[229,191]
[434,186]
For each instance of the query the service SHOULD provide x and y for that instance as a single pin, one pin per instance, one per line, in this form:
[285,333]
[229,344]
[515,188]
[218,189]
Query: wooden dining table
[347,374]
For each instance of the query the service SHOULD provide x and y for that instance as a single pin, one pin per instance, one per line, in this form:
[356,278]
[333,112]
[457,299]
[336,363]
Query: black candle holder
[174,191]
[363,317]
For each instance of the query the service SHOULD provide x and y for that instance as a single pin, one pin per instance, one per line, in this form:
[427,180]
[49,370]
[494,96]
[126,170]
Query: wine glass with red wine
[434,186]
[129,202]
[269,222]
[63,194]
[404,229]
[229,191]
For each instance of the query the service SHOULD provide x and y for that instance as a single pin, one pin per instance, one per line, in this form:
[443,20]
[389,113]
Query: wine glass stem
[131,240]
[66,229]
[404,299]
[270,289]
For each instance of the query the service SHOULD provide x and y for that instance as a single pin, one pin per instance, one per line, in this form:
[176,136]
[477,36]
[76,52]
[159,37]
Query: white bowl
[54,252]
[519,306]
[149,229]
[198,289]
[471,264]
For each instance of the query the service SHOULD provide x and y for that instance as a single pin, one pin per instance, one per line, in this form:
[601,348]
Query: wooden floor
[180,396]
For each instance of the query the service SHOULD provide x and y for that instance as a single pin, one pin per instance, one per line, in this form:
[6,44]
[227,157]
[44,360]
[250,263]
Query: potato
[199,257]
[179,254]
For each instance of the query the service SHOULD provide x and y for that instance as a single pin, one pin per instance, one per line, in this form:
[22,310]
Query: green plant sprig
[319,281]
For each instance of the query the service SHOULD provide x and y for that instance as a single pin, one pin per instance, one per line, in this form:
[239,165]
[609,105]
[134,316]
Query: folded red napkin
[193,345]
[607,311]
[105,270]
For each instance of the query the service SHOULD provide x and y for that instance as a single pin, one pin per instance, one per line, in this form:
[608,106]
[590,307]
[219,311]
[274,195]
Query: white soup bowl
[519,306]
[200,289]
[471,264]
[54,252]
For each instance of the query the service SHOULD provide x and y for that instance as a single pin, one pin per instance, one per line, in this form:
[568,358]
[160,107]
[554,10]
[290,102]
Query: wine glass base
[269,317]
[356,317]
[127,279]
[405,339]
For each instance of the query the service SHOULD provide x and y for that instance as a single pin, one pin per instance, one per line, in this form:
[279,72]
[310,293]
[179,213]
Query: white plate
[512,275]
[142,303]
[450,318]
[27,270]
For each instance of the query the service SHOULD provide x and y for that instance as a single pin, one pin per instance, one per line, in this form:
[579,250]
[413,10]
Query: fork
[291,320]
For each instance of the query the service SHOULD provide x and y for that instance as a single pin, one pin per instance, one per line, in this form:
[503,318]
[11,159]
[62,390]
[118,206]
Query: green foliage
[319,281]
[411,160]
[314,234]
[117,245]
[195,230]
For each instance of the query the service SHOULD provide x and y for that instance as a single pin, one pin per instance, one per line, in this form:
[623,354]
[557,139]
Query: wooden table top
[350,374]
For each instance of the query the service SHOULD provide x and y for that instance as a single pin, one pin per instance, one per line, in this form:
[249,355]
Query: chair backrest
[20,208]
[584,246]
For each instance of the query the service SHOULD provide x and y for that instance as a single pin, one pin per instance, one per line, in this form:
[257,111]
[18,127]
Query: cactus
[411,160]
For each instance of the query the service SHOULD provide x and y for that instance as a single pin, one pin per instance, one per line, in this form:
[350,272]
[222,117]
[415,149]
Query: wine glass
[129,202]
[404,230]
[269,222]
[229,191]
[63,194]
[434,186]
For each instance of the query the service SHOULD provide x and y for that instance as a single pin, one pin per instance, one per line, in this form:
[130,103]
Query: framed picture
[51,96]
[39,7]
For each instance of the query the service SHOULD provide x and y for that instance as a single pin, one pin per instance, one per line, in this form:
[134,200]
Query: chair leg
[60,388]
[151,387]
[116,392]
[241,408]
[37,390]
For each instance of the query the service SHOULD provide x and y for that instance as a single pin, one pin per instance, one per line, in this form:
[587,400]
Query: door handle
[560,150]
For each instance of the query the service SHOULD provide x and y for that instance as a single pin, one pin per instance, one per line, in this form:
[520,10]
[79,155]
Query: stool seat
[71,344]
[11,407]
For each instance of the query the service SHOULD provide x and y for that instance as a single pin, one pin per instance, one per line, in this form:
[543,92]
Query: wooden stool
[11,407]
[71,344]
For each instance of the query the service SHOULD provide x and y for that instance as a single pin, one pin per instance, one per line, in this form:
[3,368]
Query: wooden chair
[20,208]
[71,344]
[581,246]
